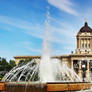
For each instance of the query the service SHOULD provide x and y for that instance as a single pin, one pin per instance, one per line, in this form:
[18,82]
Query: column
[71,64]
[88,64]
[80,71]
[87,72]
[17,61]
[79,43]
[88,43]
[84,43]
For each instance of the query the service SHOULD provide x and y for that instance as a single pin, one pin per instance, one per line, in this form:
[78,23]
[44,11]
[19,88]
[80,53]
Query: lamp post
[83,68]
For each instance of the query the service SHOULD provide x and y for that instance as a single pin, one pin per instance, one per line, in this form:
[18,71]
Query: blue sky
[22,25]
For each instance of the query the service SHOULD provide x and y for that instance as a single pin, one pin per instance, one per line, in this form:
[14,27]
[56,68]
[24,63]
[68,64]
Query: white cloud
[34,50]
[88,15]
[64,33]
[64,5]
[38,30]
[29,46]
[34,29]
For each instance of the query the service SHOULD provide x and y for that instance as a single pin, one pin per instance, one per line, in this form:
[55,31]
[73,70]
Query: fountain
[45,75]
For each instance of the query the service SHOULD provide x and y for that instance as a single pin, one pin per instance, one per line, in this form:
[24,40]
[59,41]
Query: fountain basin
[68,86]
[2,86]
[43,87]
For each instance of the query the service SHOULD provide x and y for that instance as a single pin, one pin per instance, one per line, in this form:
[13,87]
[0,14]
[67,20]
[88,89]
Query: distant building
[81,60]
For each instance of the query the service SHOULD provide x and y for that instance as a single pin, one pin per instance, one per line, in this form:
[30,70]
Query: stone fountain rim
[21,82]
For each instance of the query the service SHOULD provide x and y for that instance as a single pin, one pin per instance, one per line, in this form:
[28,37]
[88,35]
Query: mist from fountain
[45,70]
[45,67]
[30,72]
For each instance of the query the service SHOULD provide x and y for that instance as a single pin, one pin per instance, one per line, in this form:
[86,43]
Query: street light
[83,68]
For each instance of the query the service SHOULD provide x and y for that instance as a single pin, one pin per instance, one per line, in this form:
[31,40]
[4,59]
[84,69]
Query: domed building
[84,40]
[81,60]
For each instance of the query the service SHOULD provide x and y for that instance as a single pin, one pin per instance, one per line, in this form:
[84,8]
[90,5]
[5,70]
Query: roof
[85,28]
[59,57]
[27,57]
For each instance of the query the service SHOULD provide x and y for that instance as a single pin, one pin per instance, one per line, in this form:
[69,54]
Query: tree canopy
[5,66]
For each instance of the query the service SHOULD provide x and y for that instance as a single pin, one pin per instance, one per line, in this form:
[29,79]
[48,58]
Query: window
[86,45]
[89,45]
[90,65]
[83,45]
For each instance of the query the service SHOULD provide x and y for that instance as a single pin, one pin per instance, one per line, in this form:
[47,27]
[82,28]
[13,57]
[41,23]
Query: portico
[82,66]
[81,60]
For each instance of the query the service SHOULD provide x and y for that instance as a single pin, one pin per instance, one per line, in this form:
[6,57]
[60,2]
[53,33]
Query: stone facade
[81,60]
[19,58]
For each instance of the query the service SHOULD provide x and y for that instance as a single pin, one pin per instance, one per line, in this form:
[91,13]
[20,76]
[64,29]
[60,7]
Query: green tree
[12,63]
[5,66]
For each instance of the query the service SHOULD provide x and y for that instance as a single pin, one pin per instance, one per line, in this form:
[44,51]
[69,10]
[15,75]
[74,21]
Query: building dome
[85,28]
